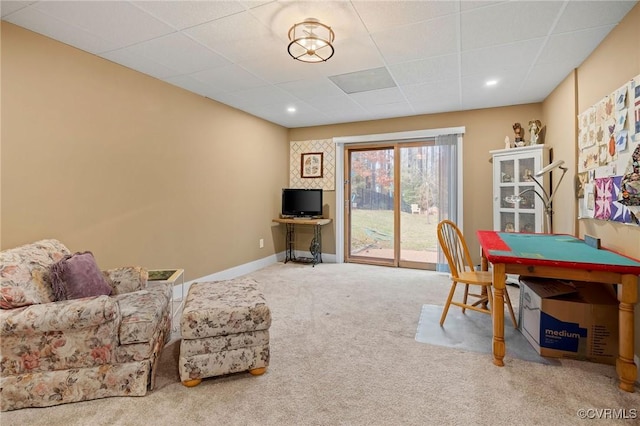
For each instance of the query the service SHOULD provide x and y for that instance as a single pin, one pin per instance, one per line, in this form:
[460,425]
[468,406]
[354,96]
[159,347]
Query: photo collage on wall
[608,180]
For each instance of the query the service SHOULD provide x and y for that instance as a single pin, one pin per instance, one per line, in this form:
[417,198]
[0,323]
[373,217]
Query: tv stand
[316,242]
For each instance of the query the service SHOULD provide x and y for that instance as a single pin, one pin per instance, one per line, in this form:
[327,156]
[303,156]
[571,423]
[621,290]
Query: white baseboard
[244,269]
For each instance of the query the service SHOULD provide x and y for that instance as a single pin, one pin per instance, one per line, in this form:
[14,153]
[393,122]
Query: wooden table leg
[484,266]
[497,308]
[625,367]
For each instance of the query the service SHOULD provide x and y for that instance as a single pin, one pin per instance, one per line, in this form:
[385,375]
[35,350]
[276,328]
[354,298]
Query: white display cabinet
[516,207]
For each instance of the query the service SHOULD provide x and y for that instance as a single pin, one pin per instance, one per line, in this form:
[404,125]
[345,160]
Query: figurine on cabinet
[534,129]
[507,142]
[517,129]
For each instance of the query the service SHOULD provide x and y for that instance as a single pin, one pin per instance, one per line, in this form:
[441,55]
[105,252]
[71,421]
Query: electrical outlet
[261,243]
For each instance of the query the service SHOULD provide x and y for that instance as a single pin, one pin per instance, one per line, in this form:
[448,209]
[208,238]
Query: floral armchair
[55,352]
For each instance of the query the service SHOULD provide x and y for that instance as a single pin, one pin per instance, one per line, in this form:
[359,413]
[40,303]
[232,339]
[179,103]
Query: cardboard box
[570,319]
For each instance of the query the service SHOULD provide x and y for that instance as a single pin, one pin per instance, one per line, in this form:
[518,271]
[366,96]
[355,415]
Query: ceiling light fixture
[311,41]
[491,82]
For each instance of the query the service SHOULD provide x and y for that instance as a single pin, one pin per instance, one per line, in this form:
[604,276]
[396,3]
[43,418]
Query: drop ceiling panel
[422,71]
[190,84]
[237,37]
[184,14]
[507,22]
[56,29]
[140,63]
[230,78]
[307,89]
[380,15]
[438,53]
[581,43]
[378,97]
[118,22]
[179,52]
[580,14]
[418,41]
[434,96]
[8,7]
[493,62]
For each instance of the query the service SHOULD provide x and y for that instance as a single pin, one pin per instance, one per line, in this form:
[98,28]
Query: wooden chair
[456,251]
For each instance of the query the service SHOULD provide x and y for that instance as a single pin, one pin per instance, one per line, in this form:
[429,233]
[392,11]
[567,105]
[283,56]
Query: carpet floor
[344,352]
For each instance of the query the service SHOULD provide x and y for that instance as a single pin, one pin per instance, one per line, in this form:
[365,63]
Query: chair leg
[446,305]
[513,316]
[466,294]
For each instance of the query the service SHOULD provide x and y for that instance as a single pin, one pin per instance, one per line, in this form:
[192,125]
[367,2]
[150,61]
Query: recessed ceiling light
[291,109]
[491,82]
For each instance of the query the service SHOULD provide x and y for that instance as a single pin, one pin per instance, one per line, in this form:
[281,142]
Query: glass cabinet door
[517,208]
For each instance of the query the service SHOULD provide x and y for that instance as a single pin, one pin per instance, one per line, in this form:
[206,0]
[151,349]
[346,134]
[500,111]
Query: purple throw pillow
[76,276]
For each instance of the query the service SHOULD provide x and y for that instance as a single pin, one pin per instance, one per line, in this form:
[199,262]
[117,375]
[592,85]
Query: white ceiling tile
[543,78]
[587,14]
[139,63]
[307,89]
[179,52]
[581,43]
[7,7]
[378,15]
[378,97]
[497,60]
[468,5]
[433,97]
[422,71]
[230,78]
[335,104]
[506,22]
[184,14]
[237,37]
[418,41]
[439,54]
[264,95]
[120,23]
[394,109]
[188,83]
[41,23]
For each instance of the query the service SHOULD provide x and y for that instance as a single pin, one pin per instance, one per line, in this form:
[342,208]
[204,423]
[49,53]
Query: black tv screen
[301,202]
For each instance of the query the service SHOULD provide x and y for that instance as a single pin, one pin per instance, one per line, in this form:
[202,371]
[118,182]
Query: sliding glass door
[397,195]
[372,205]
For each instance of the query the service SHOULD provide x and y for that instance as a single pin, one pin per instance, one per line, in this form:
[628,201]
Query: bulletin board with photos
[608,180]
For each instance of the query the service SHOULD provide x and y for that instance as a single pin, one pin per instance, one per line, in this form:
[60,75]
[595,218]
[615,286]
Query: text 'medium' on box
[576,320]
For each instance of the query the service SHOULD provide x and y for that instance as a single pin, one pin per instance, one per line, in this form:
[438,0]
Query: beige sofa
[55,352]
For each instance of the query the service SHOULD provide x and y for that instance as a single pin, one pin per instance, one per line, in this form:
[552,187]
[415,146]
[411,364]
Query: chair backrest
[454,247]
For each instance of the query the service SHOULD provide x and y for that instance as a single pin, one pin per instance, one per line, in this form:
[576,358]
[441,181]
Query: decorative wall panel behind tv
[328,175]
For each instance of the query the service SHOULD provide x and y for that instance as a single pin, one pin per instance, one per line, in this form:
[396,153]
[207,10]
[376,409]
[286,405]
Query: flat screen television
[301,202]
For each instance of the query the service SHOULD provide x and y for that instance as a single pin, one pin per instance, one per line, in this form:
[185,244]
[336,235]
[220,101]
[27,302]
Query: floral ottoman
[225,329]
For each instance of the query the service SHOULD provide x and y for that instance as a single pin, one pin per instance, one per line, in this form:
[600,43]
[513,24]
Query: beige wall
[138,171]
[485,131]
[560,120]
[611,65]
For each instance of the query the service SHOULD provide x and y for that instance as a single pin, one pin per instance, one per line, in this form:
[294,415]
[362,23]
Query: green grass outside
[375,228]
